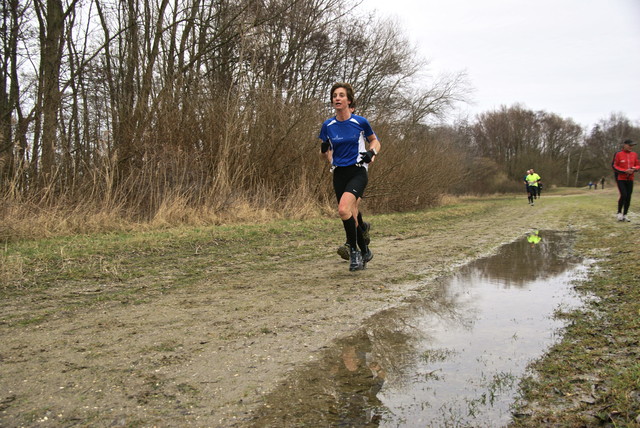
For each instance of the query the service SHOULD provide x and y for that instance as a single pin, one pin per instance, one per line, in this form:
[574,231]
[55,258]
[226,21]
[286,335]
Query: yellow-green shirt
[532,179]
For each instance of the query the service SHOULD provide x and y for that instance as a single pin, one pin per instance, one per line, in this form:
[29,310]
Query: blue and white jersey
[347,138]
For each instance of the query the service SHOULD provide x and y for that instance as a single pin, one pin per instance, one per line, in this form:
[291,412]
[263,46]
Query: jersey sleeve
[616,163]
[323,133]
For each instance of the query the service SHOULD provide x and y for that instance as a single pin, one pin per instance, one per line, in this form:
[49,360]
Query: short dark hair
[350,93]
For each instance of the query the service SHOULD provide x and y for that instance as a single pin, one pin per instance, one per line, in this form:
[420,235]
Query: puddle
[450,358]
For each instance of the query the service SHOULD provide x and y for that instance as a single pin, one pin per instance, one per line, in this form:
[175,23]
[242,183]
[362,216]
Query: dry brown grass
[246,168]
[36,221]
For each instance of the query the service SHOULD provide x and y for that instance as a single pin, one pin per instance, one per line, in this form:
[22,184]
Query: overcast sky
[579,59]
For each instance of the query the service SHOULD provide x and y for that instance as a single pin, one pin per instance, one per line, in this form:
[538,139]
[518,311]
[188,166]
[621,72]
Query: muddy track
[205,353]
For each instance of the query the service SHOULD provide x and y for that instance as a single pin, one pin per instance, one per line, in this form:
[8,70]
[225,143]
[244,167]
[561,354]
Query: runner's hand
[367,156]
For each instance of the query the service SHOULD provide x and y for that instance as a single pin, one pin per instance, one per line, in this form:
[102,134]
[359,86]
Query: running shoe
[367,256]
[355,260]
[343,251]
[366,227]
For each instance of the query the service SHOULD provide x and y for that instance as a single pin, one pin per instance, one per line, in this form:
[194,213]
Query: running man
[625,164]
[532,185]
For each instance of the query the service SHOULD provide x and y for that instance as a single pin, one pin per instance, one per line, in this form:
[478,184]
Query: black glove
[367,156]
[324,147]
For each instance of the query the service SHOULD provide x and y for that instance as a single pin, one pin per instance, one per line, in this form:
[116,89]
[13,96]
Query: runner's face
[340,99]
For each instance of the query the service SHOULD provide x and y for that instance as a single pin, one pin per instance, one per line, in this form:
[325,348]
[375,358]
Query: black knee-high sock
[361,243]
[352,234]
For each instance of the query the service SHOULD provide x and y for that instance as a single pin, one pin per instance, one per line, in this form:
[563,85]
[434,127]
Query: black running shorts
[351,179]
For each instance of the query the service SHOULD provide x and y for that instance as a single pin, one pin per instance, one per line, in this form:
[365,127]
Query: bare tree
[519,139]
[51,17]
[14,14]
[208,100]
[604,140]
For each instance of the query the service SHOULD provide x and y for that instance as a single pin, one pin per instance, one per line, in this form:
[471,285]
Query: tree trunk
[51,56]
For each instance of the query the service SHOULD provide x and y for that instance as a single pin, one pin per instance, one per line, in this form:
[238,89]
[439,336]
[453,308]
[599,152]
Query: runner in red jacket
[625,164]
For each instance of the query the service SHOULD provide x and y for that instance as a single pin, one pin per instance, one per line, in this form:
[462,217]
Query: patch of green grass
[177,257]
[436,355]
[168,346]
[32,321]
[187,389]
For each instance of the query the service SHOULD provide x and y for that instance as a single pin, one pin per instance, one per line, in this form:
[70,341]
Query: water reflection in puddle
[449,358]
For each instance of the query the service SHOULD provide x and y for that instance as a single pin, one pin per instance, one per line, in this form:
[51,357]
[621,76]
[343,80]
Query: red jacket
[623,161]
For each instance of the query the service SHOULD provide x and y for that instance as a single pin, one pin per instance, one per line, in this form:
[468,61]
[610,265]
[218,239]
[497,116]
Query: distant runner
[532,185]
[625,164]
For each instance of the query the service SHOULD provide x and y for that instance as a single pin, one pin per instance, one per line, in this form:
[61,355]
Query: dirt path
[204,354]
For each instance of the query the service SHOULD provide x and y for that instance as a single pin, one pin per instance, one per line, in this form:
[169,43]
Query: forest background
[116,114]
